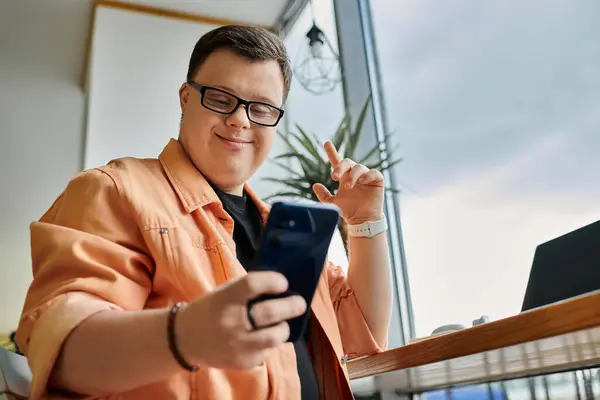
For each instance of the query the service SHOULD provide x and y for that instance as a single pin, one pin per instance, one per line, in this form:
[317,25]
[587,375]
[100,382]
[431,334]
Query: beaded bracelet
[172,342]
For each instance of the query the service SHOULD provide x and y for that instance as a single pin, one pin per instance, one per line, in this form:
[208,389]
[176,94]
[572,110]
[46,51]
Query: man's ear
[184,94]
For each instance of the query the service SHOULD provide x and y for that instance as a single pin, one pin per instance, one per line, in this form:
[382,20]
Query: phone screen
[295,243]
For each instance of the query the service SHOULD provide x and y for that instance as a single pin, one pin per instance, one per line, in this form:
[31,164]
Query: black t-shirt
[247,231]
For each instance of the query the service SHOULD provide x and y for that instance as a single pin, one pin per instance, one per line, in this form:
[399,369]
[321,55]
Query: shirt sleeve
[87,256]
[357,339]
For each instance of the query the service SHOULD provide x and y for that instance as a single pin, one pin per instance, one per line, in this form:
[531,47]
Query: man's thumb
[322,193]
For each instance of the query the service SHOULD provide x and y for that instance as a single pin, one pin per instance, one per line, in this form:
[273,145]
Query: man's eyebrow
[257,96]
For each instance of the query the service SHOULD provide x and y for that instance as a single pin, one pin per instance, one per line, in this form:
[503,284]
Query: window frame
[361,77]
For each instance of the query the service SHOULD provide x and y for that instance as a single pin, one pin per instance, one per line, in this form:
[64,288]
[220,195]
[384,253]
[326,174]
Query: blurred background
[493,108]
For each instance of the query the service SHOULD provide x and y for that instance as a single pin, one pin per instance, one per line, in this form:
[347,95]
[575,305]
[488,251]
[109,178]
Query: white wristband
[368,229]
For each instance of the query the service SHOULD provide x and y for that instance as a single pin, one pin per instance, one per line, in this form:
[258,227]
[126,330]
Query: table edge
[559,318]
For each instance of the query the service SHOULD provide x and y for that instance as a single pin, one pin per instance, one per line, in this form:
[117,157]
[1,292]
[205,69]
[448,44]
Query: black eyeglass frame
[202,89]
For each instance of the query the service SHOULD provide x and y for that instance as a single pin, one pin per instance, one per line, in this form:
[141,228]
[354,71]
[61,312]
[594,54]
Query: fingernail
[282,283]
[302,303]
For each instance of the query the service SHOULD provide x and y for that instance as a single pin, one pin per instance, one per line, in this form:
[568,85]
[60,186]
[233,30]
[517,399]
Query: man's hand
[360,199]
[215,330]
[360,193]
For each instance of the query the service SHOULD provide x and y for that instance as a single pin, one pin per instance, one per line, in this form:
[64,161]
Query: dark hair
[255,44]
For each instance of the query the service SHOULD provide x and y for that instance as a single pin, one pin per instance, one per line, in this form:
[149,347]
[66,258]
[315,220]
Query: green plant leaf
[369,154]
[379,164]
[341,133]
[306,164]
[287,180]
[307,151]
[393,150]
[286,167]
[355,136]
[330,184]
[293,148]
[317,141]
[374,150]
[289,144]
[306,195]
[296,184]
[283,194]
[311,171]
[307,143]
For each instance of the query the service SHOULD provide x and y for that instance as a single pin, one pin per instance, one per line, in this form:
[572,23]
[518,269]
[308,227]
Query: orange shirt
[146,233]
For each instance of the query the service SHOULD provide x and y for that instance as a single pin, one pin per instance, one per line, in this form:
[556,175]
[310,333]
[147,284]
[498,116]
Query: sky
[496,106]
[497,109]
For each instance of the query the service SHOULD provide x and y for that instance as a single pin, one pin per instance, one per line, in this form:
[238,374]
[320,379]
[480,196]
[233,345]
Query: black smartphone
[295,243]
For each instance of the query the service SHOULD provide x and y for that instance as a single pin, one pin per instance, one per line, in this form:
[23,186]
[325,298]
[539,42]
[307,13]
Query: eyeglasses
[223,102]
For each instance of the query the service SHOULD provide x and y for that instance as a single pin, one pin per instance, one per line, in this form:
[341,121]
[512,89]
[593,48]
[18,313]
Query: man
[140,286]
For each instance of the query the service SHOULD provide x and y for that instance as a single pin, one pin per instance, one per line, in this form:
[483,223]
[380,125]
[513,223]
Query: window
[316,114]
[319,114]
[495,105]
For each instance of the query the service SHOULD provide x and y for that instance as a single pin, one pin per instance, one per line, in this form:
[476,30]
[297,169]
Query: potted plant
[307,164]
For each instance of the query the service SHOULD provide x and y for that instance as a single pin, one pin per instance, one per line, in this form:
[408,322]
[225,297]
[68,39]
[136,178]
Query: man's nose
[239,118]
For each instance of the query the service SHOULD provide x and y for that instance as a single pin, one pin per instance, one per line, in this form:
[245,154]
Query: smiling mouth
[234,140]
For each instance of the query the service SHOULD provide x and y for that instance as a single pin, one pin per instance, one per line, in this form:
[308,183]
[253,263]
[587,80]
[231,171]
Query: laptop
[564,267]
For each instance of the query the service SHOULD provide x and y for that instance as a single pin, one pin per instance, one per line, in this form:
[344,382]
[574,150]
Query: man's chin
[226,170]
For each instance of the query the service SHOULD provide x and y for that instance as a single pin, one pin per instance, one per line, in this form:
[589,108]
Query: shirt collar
[191,187]
[263,208]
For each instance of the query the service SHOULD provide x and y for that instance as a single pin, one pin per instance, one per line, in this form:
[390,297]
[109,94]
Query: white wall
[139,62]
[42,47]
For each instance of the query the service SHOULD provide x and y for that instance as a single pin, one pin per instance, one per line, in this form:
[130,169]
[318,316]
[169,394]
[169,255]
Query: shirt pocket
[186,267]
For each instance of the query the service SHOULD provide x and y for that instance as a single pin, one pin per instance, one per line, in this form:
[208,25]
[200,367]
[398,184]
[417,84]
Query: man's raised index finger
[332,154]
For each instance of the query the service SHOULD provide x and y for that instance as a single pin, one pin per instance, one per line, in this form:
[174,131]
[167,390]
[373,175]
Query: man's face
[228,149]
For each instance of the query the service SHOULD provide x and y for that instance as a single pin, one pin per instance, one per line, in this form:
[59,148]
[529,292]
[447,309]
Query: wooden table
[558,337]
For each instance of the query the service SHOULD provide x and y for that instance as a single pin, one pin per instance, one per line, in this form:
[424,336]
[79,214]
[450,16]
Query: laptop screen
[565,267]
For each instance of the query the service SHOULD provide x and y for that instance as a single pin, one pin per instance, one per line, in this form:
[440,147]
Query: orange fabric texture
[145,233]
